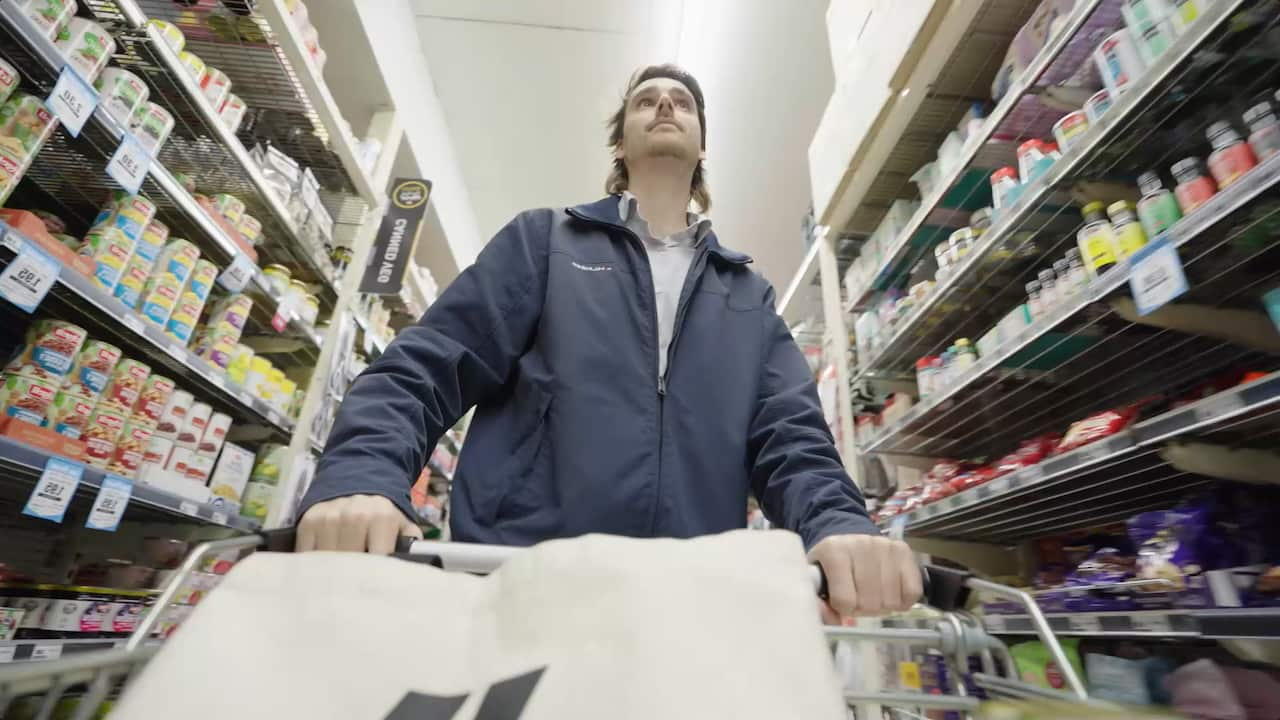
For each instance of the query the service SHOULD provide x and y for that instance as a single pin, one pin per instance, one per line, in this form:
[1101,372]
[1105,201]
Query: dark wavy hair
[618,179]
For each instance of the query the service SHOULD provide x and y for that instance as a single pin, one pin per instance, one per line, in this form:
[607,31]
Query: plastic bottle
[1049,295]
[1231,157]
[1034,300]
[1004,182]
[1079,279]
[1124,222]
[1264,131]
[924,376]
[1062,270]
[1158,209]
[1193,188]
[1097,240]
[966,356]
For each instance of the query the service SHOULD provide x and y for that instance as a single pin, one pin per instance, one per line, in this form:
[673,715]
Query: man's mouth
[660,123]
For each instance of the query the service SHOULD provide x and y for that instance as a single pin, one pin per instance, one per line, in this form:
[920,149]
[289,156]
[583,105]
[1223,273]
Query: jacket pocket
[530,405]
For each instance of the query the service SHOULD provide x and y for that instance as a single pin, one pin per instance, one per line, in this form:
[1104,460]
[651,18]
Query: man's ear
[702,155]
[618,153]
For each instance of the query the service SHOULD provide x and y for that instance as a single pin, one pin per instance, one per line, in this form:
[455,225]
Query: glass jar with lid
[278,278]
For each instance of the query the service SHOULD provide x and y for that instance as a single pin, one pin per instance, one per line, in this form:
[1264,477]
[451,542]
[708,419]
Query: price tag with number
[1151,622]
[7,652]
[274,417]
[177,352]
[1082,622]
[238,274]
[219,517]
[72,101]
[54,489]
[189,508]
[108,507]
[994,623]
[25,281]
[134,323]
[1219,406]
[46,652]
[1156,276]
[129,164]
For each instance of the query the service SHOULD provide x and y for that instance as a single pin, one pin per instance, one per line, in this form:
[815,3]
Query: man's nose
[665,106]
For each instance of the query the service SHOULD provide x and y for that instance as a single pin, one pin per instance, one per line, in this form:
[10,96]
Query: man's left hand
[866,575]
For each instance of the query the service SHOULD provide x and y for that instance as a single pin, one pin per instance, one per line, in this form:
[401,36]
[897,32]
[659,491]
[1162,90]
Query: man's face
[661,121]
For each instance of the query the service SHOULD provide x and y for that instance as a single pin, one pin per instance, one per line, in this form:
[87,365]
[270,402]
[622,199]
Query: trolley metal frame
[958,635]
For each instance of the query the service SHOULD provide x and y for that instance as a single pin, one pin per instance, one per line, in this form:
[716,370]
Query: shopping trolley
[957,635]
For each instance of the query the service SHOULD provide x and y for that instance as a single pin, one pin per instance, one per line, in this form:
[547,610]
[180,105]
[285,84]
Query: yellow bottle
[1128,231]
[1097,240]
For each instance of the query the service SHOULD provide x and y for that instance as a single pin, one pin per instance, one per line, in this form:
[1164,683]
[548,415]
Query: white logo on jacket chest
[592,268]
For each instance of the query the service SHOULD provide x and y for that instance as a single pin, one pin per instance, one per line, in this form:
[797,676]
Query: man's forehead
[660,83]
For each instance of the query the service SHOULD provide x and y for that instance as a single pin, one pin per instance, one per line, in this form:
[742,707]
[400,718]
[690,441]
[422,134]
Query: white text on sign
[25,281]
[72,101]
[129,164]
[109,506]
[54,490]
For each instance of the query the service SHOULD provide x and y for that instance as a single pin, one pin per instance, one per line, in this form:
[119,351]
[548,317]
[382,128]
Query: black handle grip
[404,544]
[278,540]
[944,588]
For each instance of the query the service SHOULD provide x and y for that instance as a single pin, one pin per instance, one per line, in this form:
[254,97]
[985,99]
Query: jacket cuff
[837,524]
[401,501]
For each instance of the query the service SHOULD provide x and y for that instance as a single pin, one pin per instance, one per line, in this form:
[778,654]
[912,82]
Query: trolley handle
[944,588]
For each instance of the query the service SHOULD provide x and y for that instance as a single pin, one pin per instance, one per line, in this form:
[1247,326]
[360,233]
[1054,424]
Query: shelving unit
[1218,624]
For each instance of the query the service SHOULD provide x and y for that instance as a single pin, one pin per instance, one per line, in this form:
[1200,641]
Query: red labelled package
[1098,426]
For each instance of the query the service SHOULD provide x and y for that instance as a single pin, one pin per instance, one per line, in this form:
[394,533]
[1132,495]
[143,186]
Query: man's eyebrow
[645,92]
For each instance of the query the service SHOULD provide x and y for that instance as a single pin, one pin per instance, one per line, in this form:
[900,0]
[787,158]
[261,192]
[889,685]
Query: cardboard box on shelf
[30,226]
[232,472]
[41,438]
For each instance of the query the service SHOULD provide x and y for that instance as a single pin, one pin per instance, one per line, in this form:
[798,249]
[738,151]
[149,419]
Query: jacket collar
[605,211]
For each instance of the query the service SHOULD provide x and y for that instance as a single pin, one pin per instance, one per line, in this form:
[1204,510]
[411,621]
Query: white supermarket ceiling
[528,84]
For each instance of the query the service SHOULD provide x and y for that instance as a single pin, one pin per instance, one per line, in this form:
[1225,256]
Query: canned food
[69,413]
[132,281]
[255,380]
[184,317]
[158,450]
[250,228]
[232,112]
[125,385]
[230,314]
[288,388]
[203,275]
[131,448]
[101,432]
[11,162]
[92,369]
[194,425]
[51,347]
[231,207]
[159,297]
[270,459]
[129,213]
[151,126]
[194,66]
[121,92]
[170,33]
[217,350]
[215,432]
[25,122]
[9,79]
[215,86]
[152,399]
[110,250]
[86,47]
[178,259]
[278,277]
[156,233]
[174,414]
[27,398]
[50,16]
[256,500]
[238,369]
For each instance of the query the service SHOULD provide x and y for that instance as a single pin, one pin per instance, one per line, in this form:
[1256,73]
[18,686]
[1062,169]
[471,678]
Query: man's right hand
[354,523]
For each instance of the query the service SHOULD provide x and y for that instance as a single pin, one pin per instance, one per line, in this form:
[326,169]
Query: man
[630,376]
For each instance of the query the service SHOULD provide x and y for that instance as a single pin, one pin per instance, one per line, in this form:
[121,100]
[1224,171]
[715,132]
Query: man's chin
[670,151]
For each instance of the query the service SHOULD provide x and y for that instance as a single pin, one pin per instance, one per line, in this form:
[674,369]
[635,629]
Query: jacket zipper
[686,294]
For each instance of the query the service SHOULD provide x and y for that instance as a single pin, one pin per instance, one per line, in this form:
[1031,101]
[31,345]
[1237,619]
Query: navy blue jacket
[552,335]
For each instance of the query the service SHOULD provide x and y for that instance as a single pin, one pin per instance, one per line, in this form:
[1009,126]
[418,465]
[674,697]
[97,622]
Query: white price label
[994,623]
[1219,406]
[1033,473]
[1081,622]
[7,652]
[188,508]
[129,164]
[245,398]
[177,352]
[898,528]
[46,652]
[54,490]
[72,101]
[238,274]
[108,507]
[1151,623]
[134,323]
[1001,484]
[1156,276]
[25,281]
[220,518]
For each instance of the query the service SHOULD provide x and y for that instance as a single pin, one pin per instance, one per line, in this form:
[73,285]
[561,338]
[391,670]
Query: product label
[25,281]
[1156,276]
[54,490]
[109,505]
[129,164]
[72,101]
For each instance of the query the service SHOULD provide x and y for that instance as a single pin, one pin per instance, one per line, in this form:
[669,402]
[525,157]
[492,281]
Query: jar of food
[194,66]
[1097,240]
[1264,131]
[341,257]
[278,277]
[1130,236]
[924,376]
[1078,277]
[1048,289]
[1034,305]
[309,311]
[1097,105]
[1062,272]
[960,243]
[1194,188]
[1231,158]
[294,294]
[170,33]
[1069,127]
[1004,187]
[1157,209]
[966,355]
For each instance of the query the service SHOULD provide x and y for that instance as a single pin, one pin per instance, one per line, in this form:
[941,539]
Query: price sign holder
[237,275]
[898,528]
[72,101]
[27,280]
[108,507]
[1156,276]
[129,164]
[54,490]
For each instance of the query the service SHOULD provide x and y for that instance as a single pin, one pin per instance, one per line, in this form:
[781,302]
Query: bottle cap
[1093,208]
[1004,173]
[1033,287]
[1062,266]
[1046,276]
[1120,208]
[1187,169]
[924,362]
[1221,135]
[1259,112]
[1149,182]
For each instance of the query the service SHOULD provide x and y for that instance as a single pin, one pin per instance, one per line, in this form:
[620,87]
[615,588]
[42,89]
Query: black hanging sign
[384,274]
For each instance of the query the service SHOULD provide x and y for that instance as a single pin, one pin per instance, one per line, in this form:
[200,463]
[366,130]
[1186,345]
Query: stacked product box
[261,489]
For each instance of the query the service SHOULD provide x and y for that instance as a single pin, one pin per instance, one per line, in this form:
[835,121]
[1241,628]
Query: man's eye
[645,102]
[684,104]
